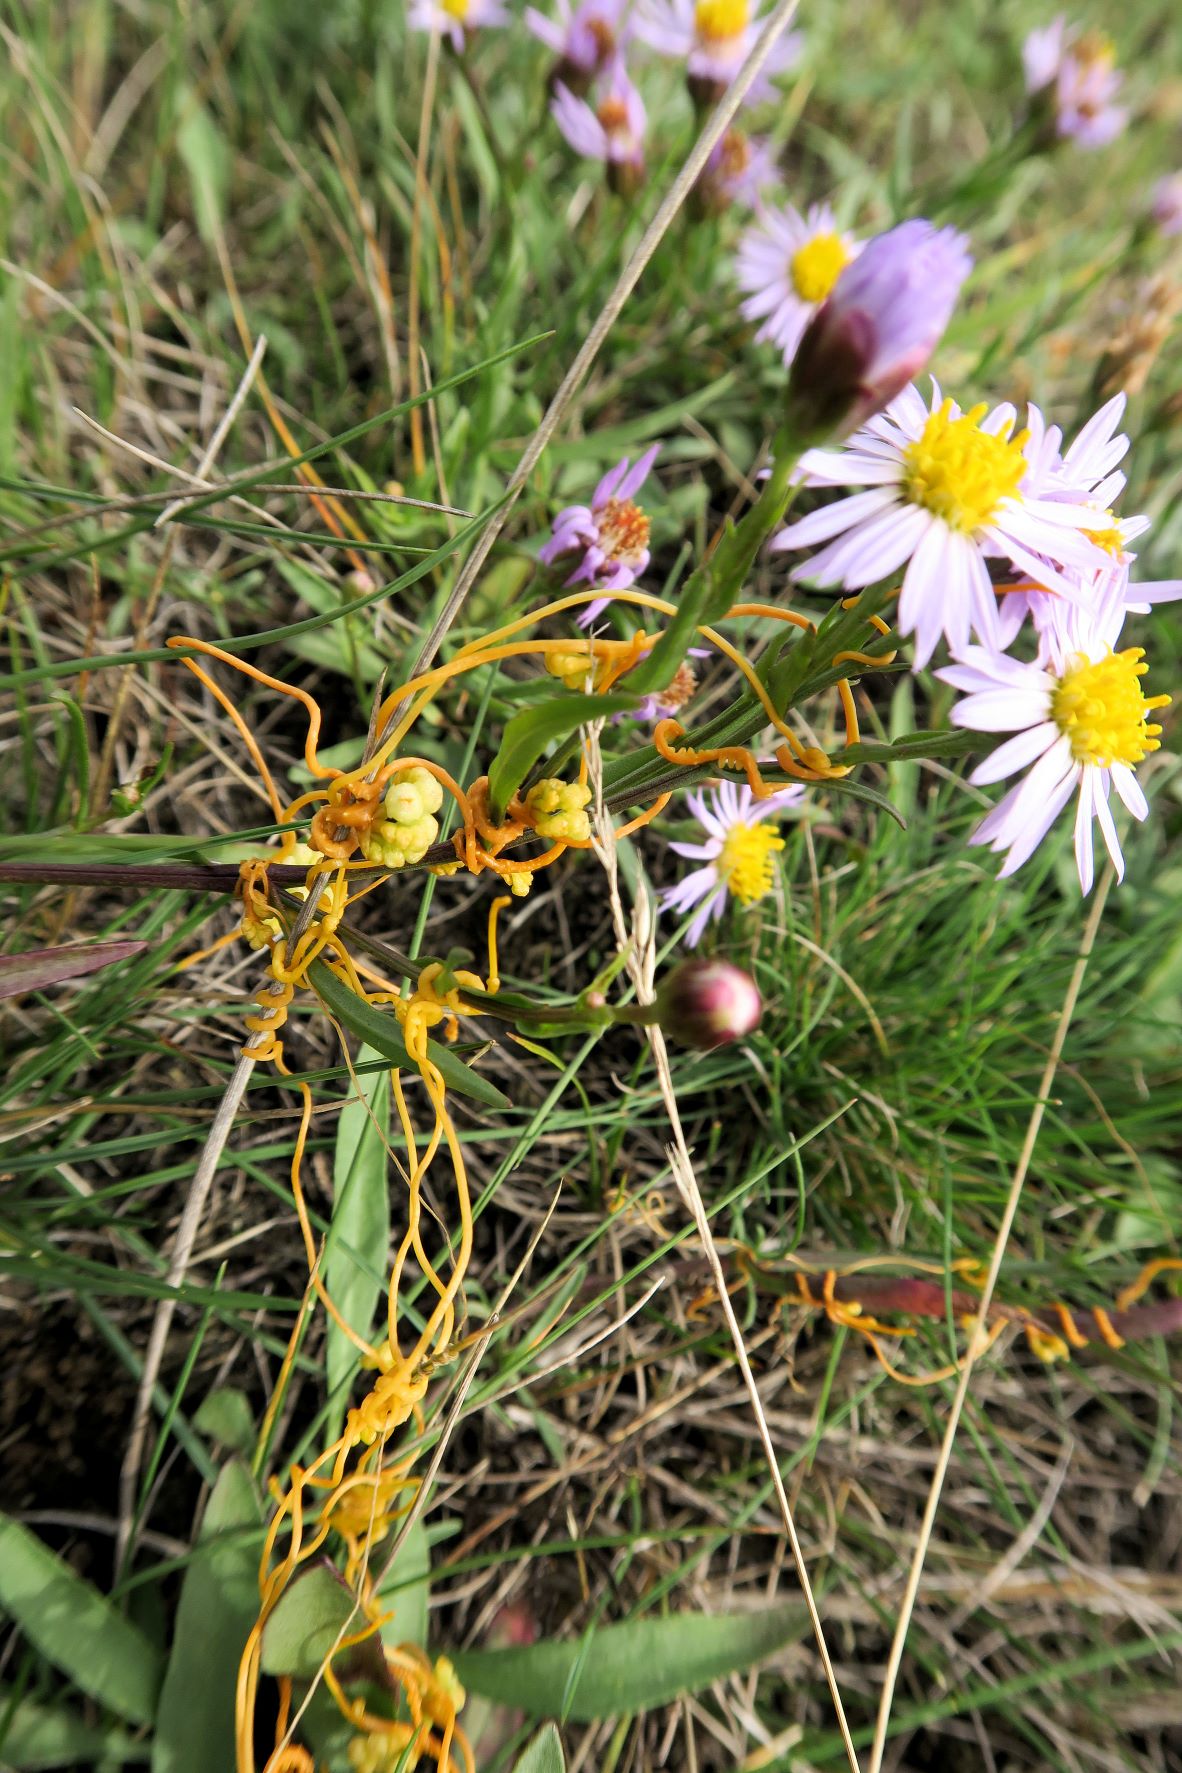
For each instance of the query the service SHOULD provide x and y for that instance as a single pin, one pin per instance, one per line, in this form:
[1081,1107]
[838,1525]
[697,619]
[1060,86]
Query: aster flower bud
[706,1003]
[877,329]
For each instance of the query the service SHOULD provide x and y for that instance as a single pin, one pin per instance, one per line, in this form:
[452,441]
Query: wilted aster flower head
[452,18]
[585,38]
[1079,717]
[739,169]
[611,533]
[610,129]
[1166,206]
[788,264]
[737,855]
[1080,69]
[714,38]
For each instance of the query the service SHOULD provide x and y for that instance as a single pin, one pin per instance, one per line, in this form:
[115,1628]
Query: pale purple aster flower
[884,318]
[611,130]
[714,38]
[946,491]
[1042,53]
[1166,207]
[739,170]
[585,38]
[452,18]
[788,264]
[1081,69]
[611,534]
[737,856]
[681,688]
[1080,721]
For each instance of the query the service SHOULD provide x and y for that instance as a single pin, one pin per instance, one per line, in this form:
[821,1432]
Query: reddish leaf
[41,967]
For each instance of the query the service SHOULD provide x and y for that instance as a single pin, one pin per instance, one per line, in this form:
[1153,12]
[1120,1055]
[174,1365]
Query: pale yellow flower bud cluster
[410,826]
[556,810]
[575,668]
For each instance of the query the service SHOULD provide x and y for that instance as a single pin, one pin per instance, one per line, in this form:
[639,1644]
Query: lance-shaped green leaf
[630,1667]
[355,1255]
[381,1030]
[219,1601]
[529,733]
[542,1755]
[914,747]
[39,1736]
[75,1627]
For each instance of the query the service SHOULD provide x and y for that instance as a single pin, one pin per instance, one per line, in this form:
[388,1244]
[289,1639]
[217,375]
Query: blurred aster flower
[1166,206]
[740,168]
[714,37]
[611,534]
[737,856]
[1078,72]
[681,688]
[1080,720]
[611,130]
[885,316]
[452,18]
[789,264]
[585,38]
[948,490]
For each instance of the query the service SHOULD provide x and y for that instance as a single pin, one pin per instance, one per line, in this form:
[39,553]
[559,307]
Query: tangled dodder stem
[978,1336]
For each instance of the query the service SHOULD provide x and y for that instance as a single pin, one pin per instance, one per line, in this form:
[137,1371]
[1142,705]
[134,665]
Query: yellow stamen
[1102,710]
[717,21]
[815,268]
[1108,536]
[746,861]
[623,531]
[960,472]
[457,9]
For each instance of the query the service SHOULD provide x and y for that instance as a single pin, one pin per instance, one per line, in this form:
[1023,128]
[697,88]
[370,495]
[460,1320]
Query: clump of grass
[179,188]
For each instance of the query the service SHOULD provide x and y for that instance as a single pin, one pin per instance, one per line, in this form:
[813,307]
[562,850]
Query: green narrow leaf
[628,1667]
[542,1755]
[380,1029]
[307,1621]
[407,1590]
[76,1627]
[529,733]
[355,1258]
[201,147]
[219,1601]
[53,1736]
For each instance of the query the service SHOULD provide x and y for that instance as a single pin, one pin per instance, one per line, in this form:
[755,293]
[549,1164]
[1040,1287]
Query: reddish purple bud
[886,315]
[706,1003]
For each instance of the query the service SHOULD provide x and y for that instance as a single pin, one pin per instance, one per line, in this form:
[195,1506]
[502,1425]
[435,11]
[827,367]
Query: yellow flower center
[717,21]
[457,9]
[960,472]
[623,531]
[1108,536]
[817,266]
[613,115]
[1095,50]
[746,861]
[1101,709]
